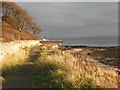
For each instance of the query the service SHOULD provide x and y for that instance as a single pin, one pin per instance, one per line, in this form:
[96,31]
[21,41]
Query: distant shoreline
[87,46]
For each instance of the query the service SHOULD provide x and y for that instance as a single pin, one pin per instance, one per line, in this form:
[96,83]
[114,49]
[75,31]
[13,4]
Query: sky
[74,19]
[65,0]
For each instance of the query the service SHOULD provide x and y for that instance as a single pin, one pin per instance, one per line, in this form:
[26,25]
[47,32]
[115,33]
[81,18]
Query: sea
[92,42]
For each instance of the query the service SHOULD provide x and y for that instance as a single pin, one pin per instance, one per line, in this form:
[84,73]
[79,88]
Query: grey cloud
[75,19]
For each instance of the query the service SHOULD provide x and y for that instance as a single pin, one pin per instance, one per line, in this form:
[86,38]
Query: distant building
[44,39]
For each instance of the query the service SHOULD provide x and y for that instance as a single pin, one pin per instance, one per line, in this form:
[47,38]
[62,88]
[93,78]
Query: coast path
[24,76]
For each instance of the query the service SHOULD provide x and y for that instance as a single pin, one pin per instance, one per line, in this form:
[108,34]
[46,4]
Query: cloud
[75,19]
[65,0]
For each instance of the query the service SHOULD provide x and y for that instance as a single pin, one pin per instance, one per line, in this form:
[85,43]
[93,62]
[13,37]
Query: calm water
[92,42]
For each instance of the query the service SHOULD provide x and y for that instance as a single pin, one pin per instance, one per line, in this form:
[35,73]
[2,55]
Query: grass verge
[54,72]
[11,63]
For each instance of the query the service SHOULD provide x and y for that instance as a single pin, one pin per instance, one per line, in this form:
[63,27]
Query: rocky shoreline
[108,56]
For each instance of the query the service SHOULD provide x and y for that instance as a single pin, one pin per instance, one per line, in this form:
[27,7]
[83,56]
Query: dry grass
[12,61]
[64,70]
[56,69]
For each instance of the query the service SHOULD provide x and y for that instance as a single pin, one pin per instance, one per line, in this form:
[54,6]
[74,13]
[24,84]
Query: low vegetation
[11,34]
[11,62]
[58,70]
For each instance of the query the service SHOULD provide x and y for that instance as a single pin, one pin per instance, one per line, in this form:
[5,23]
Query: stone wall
[12,47]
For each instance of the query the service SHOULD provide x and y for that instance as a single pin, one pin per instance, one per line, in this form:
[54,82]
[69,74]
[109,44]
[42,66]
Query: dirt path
[23,77]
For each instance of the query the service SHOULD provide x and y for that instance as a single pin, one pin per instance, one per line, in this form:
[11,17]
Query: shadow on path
[24,76]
